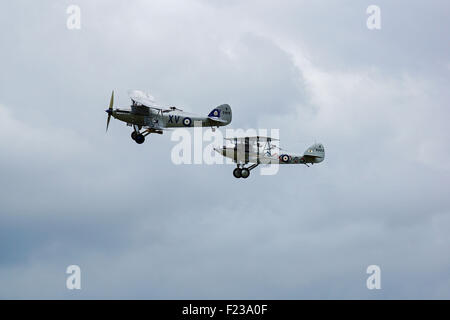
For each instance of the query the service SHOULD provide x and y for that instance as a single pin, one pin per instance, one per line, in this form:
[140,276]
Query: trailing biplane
[260,150]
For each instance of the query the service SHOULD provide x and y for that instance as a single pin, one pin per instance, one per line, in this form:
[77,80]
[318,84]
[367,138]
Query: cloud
[142,227]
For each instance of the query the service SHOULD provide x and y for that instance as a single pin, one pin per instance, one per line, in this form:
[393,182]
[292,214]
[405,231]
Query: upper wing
[143,98]
[142,103]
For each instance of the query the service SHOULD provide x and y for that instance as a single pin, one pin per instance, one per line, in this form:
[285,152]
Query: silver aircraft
[260,150]
[145,114]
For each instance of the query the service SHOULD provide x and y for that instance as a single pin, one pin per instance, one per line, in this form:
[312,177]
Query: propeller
[109,111]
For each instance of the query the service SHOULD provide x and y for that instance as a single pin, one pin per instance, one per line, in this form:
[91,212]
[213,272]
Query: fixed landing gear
[138,137]
[243,172]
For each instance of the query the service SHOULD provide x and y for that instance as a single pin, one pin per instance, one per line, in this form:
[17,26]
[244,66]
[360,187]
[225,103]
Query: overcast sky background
[141,227]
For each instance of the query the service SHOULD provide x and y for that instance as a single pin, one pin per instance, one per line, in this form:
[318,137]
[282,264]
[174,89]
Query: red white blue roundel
[187,122]
[285,158]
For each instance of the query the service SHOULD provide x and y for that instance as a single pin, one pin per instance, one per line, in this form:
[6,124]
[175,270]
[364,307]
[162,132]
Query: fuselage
[314,154]
[167,119]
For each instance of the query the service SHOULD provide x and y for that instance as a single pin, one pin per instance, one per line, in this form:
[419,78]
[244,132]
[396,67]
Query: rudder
[221,114]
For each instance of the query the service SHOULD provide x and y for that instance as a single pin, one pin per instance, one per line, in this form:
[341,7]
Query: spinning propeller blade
[109,110]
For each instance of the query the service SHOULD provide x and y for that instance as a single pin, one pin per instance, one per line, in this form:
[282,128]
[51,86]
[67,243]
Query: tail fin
[315,153]
[221,115]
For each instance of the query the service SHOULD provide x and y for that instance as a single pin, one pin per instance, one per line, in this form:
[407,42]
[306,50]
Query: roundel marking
[187,122]
[284,158]
[216,113]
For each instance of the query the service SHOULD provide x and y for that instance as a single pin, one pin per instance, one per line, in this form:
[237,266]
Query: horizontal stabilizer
[218,120]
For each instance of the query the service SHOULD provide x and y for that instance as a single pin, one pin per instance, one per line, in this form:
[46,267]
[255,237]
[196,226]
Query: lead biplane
[260,150]
[145,114]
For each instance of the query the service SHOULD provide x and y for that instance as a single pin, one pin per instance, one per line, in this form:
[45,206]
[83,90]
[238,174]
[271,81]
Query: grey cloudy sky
[141,227]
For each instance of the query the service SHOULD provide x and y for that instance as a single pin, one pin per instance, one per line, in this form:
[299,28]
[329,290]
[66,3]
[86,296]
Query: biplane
[260,150]
[146,117]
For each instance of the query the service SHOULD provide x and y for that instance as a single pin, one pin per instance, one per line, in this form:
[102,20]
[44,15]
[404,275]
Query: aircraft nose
[108,111]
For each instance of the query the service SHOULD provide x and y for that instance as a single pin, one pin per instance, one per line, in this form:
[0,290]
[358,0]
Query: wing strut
[246,149]
[235,150]
[257,149]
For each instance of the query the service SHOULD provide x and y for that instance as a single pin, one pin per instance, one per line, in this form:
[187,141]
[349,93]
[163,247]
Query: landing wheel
[237,173]
[133,135]
[245,173]
[139,139]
